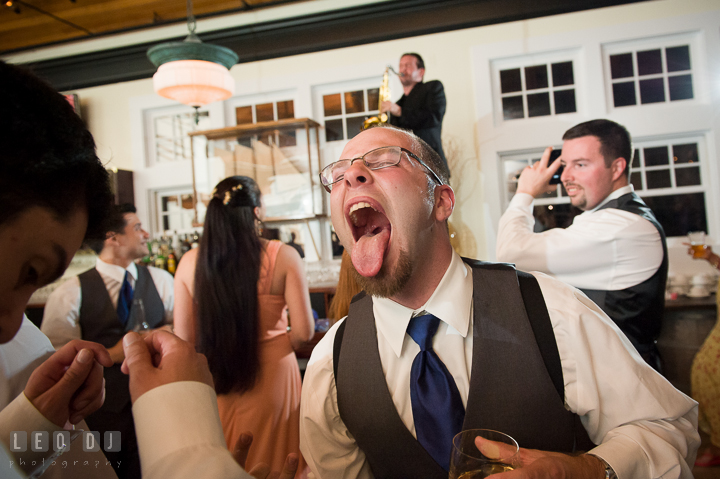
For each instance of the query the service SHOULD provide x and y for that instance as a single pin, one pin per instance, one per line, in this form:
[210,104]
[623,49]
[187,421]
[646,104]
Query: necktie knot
[422,329]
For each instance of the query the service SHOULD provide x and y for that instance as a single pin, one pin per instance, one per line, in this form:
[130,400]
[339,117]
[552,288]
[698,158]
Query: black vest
[637,310]
[99,322]
[516,383]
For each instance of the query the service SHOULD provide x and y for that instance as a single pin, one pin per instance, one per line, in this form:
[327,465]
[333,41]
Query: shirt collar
[614,195]
[451,302]
[116,272]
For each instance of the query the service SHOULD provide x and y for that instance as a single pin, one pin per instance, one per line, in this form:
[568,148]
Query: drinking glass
[498,453]
[697,243]
[138,316]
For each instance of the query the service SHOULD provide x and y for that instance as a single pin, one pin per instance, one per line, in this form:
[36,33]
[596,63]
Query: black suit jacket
[422,112]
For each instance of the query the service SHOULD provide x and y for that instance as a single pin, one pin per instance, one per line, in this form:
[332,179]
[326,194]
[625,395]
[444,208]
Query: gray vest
[99,322]
[516,384]
[637,310]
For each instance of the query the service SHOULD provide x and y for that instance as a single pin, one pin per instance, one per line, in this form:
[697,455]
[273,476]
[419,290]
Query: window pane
[621,66]
[679,214]
[652,91]
[649,62]
[264,112]
[243,114]
[636,180]
[554,216]
[538,104]
[331,105]
[333,130]
[562,74]
[687,176]
[678,58]
[510,80]
[373,98]
[354,125]
[685,153]
[636,159]
[513,107]
[624,94]
[656,156]
[658,179]
[536,77]
[564,101]
[354,102]
[680,87]
[287,138]
[285,109]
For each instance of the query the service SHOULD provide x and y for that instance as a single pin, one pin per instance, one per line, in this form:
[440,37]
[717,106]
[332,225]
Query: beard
[387,283]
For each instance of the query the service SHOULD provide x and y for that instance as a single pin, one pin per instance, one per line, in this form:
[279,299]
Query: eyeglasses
[376,159]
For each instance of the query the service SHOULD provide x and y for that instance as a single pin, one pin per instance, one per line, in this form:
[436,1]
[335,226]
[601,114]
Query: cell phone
[554,155]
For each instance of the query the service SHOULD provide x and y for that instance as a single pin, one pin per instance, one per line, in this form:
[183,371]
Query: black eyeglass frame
[328,186]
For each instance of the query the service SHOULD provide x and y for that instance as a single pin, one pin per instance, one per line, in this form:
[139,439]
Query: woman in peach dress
[229,297]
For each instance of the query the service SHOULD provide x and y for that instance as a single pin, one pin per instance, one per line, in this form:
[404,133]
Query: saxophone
[383,95]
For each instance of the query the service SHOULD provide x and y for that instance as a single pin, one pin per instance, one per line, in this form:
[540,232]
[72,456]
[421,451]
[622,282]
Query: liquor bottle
[195,240]
[171,263]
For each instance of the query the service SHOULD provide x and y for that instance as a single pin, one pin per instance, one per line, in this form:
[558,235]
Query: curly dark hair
[48,155]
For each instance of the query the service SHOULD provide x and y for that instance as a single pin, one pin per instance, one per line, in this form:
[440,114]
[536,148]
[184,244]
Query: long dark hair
[226,276]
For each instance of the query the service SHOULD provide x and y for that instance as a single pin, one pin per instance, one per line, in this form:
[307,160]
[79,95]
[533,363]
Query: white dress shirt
[645,427]
[61,319]
[609,249]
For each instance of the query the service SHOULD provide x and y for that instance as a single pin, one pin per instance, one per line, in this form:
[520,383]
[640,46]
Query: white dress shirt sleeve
[179,434]
[326,444]
[645,427]
[61,318]
[165,285]
[609,249]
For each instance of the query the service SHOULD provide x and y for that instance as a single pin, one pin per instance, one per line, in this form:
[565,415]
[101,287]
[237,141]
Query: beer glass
[498,453]
[697,243]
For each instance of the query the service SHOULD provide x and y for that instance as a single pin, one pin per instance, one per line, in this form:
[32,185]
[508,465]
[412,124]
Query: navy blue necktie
[125,300]
[436,404]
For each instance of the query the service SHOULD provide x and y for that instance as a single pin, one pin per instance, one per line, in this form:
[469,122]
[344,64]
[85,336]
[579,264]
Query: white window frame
[150,116]
[258,99]
[543,58]
[156,197]
[320,91]
[652,43]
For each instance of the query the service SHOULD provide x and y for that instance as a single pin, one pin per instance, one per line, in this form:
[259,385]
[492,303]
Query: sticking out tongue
[372,234]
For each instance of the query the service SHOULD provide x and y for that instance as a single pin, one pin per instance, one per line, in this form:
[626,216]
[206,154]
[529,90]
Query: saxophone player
[422,106]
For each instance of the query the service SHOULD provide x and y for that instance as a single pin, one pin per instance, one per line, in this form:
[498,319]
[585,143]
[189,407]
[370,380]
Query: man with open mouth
[437,344]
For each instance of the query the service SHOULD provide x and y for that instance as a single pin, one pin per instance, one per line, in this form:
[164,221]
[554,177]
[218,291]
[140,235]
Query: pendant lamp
[192,72]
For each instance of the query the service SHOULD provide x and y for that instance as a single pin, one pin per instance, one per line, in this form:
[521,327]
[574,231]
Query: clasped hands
[535,180]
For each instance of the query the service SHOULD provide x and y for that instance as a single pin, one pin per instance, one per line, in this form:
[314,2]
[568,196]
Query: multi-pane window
[269,111]
[655,75]
[175,210]
[538,90]
[666,174]
[345,112]
[170,133]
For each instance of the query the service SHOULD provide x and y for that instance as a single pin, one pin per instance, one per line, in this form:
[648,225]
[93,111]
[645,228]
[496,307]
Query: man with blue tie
[98,305]
[438,343]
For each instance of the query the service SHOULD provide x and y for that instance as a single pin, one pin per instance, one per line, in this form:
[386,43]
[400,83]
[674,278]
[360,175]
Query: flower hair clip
[229,193]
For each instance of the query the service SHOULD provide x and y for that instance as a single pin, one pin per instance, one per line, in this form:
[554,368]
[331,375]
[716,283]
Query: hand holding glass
[494,453]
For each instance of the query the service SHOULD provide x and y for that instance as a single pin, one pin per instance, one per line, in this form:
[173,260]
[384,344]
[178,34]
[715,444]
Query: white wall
[460,60]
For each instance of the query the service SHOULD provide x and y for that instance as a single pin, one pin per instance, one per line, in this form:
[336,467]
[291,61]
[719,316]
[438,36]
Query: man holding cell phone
[615,251]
